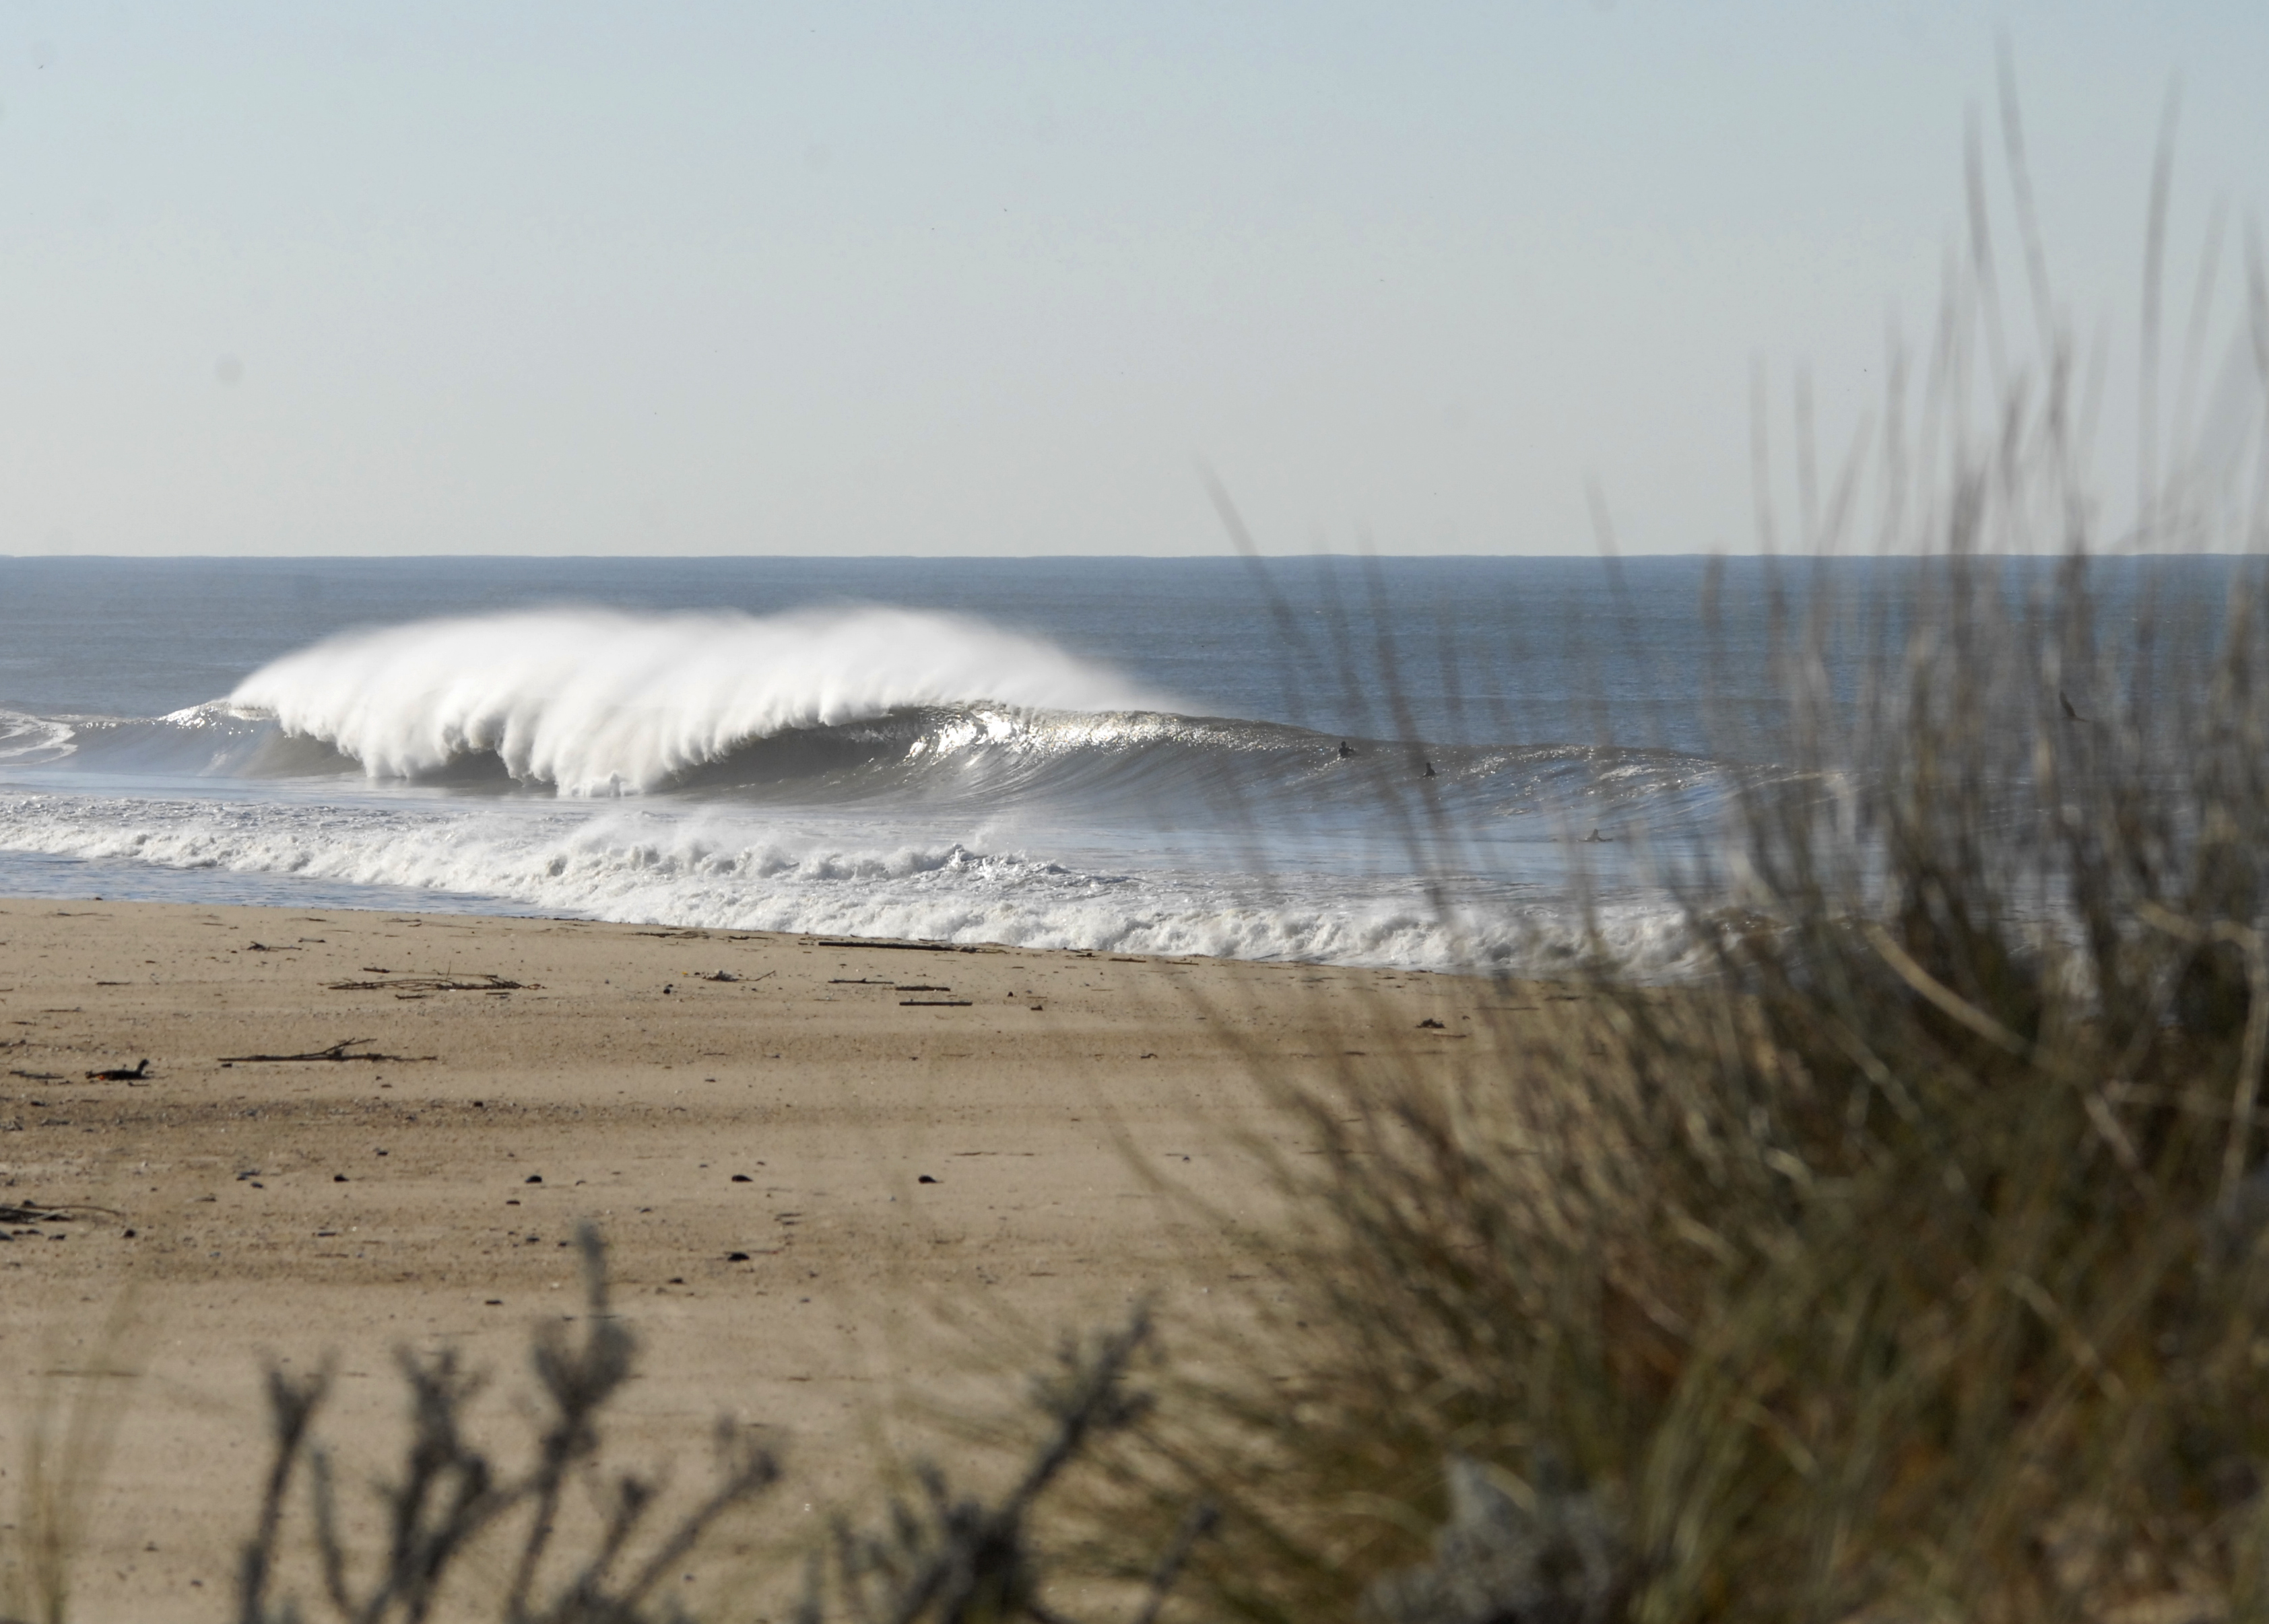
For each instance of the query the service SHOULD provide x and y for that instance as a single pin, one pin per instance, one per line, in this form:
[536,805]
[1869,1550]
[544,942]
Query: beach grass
[1909,1260]
[68,1431]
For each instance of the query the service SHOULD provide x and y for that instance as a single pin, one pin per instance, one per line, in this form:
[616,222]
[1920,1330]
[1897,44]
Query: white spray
[595,702]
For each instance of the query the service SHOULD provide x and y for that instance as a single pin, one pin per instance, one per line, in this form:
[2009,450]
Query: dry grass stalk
[949,1558]
[946,1558]
[1911,1264]
[449,1496]
[67,1445]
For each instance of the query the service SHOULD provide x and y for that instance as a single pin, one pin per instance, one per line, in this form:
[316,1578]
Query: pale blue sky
[991,278]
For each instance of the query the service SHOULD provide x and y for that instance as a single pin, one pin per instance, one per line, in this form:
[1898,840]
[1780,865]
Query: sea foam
[29,740]
[715,868]
[594,702]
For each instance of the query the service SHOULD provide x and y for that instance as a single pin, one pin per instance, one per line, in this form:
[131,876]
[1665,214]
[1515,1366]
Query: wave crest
[595,703]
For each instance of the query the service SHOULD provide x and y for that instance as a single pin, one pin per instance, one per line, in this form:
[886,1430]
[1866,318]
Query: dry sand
[830,1174]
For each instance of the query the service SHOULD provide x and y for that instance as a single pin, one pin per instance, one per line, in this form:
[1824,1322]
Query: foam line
[728,872]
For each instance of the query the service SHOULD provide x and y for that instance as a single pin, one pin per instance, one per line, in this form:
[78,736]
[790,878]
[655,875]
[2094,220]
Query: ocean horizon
[1456,762]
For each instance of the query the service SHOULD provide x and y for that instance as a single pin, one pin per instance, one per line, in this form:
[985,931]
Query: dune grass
[69,1426]
[1910,1261]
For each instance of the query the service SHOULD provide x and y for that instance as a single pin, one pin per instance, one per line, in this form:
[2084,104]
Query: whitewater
[1168,756]
[590,702]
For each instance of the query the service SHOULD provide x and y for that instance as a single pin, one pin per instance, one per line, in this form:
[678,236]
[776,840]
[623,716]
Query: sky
[679,278]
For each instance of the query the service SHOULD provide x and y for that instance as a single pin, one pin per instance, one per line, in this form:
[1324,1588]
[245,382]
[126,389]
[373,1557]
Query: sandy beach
[832,1174]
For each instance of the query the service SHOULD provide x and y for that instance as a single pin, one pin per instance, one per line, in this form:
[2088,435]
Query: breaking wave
[592,702]
[855,771]
[1150,766]
[847,708]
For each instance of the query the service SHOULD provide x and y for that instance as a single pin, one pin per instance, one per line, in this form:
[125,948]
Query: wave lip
[597,702]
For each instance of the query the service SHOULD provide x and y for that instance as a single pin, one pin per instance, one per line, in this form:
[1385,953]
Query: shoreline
[832,1171]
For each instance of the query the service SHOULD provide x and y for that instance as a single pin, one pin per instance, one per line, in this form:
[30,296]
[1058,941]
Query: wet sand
[831,1175]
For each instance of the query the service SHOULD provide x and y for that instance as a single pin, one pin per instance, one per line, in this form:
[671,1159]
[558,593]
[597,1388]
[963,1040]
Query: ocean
[1445,764]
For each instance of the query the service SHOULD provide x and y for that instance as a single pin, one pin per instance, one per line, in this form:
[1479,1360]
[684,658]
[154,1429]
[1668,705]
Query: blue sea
[1432,763]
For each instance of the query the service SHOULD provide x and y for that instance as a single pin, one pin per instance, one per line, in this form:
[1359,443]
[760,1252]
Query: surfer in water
[1596,838]
[1428,767]
[1346,749]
